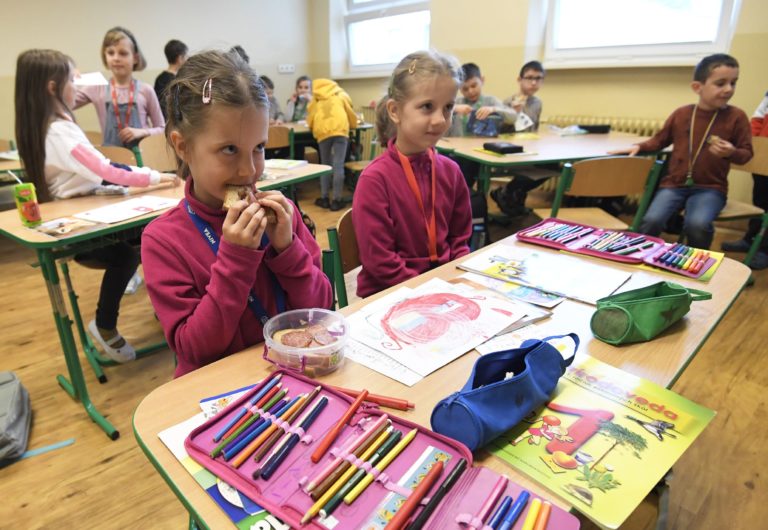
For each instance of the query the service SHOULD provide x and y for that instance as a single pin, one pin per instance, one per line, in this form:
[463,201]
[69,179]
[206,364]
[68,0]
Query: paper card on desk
[428,327]
[280,163]
[604,440]
[513,290]
[568,276]
[91,79]
[121,211]
[67,227]
[380,362]
[10,155]
[212,405]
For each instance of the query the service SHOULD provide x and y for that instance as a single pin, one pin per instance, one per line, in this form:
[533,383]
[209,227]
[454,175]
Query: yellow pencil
[345,477]
[368,478]
[533,514]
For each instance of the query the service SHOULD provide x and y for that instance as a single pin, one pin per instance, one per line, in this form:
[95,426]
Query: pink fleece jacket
[390,228]
[201,298]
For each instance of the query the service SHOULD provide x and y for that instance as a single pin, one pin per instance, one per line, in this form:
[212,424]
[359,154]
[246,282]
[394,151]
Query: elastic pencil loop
[394,486]
[468,519]
[354,460]
[208,91]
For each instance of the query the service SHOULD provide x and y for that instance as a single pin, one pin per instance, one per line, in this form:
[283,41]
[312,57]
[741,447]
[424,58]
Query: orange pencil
[258,405]
[543,517]
[336,430]
[250,448]
[384,401]
[414,498]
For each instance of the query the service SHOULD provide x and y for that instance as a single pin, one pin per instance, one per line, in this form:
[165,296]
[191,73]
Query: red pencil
[384,401]
[333,433]
[414,499]
[267,397]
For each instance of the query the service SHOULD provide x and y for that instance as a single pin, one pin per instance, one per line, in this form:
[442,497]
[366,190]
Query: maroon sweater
[709,171]
[390,228]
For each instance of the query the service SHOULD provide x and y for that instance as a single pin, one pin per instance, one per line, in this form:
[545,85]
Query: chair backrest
[346,254]
[157,154]
[95,137]
[6,145]
[759,162]
[118,154]
[280,136]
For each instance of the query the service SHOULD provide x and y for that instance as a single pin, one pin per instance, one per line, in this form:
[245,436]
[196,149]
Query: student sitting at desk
[126,106]
[706,137]
[215,276]
[62,163]
[410,202]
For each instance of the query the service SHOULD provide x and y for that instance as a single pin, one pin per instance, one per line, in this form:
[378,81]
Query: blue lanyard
[206,230]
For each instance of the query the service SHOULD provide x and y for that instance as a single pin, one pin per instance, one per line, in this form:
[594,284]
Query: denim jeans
[333,152]
[702,206]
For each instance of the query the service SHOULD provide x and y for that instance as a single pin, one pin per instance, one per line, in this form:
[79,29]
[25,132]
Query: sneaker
[134,283]
[336,205]
[322,202]
[742,245]
[759,261]
[123,354]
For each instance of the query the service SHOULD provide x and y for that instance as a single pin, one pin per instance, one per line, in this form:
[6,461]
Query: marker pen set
[380,471]
[683,259]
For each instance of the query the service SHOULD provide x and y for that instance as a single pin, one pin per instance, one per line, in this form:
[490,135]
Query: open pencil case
[614,245]
[284,495]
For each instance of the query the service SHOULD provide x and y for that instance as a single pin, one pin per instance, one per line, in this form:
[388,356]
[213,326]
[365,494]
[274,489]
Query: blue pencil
[498,515]
[255,425]
[229,453]
[272,463]
[515,511]
[251,402]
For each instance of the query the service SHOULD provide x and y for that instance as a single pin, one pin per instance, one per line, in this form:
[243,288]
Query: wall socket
[286,68]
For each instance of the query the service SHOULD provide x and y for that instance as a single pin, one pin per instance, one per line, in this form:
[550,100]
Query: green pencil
[219,448]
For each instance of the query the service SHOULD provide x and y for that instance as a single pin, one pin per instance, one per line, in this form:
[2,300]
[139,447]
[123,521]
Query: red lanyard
[115,108]
[429,221]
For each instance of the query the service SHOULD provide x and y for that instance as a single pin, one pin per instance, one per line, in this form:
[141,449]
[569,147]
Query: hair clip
[208,91]
[412,67]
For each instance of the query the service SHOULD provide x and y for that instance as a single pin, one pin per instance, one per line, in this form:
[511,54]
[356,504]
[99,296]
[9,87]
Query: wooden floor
[97,483]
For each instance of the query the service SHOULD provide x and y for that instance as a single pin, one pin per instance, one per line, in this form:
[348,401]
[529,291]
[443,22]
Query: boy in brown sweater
[706,138]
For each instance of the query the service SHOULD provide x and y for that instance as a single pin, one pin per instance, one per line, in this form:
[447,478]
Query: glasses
[537,78]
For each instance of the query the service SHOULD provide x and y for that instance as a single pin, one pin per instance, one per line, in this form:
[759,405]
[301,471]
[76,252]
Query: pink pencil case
[582,236]
[283,494]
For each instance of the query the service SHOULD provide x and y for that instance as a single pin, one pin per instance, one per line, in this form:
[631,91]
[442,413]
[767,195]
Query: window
[595,33]
[379,33]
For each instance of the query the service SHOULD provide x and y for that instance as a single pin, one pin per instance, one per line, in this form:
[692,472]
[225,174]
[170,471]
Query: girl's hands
[630,151]
[131,134]
[279,232]
[170,177]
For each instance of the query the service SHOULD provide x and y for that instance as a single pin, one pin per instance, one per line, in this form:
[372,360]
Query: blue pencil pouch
[493,401]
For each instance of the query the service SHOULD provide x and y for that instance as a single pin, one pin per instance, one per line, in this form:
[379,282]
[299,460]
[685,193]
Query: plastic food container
[310,341]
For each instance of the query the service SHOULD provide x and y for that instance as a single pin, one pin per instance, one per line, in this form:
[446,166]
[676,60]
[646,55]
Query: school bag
[15,416]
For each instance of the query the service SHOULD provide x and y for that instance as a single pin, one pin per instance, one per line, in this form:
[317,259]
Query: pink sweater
[145,98]
[390,228]
[201,298]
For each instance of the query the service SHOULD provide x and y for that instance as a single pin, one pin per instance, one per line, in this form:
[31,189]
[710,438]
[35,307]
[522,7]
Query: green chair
[617,176]
[346,254]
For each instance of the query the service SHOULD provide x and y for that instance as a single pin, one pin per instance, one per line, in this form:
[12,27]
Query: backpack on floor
[15,416]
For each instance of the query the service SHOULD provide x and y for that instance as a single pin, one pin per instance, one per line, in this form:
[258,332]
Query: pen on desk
[274,461]
[441,492]
[384,401]
[269,442]
[514,512]
[414,498]
[543,517]
[533,513]
[490,501]
[501,511]
[251,402]
[329,438]
[349,446]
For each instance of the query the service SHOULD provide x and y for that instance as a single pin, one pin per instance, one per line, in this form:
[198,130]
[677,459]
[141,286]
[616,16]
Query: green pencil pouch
[641,314]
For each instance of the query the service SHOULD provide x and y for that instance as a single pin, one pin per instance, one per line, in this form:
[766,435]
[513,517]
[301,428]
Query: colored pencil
[384,401]
[633,249]
[383,449]
[501,511]
[348,447]
[514,512]
[627,243]
[414,498]
[577,235]
[533,513]
[259,405]
[490,501]
[258,434]
[381,466]
[441,492]
[251,402]
[280,454]
[329,438]
[269,442]
[248,422]
[543,518]
[248,428]
[319,503]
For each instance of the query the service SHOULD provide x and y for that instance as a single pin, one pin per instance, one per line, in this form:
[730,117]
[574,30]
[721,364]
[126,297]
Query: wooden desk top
[300,127]
[548,147]
[10,225]
[661,360]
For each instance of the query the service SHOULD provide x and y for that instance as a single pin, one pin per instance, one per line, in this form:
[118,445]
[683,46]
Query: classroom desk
[547,148]
[303,134]
[50,249]
[661,360]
